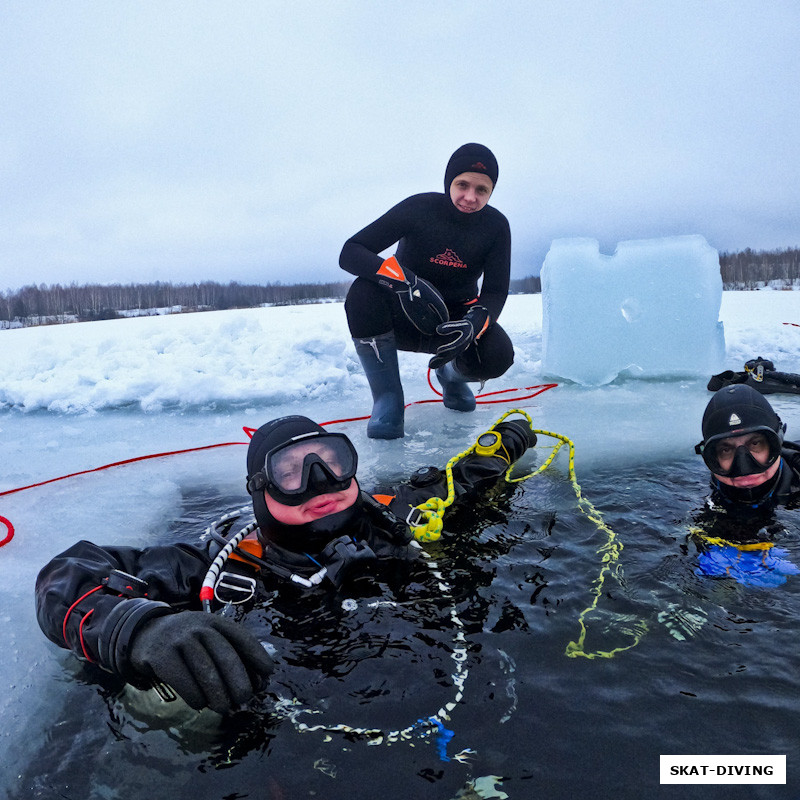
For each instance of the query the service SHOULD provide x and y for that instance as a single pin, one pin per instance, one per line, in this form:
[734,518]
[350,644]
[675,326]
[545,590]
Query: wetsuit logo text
[448,259]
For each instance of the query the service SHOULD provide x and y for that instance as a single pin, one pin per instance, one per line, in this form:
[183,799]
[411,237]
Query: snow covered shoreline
[273,355]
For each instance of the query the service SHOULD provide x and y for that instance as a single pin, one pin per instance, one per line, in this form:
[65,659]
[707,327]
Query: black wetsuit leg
[372,311]
[489,357]
[369,309]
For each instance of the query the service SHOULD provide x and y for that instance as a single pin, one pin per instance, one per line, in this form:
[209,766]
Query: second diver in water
[136,612]
[754,470]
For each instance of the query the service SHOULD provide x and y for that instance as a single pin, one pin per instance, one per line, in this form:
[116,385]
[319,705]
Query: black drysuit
[84,604]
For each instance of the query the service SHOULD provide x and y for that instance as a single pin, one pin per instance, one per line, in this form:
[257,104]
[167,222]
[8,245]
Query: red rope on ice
[795,324]
[539,388]
[117,464]
[9,530]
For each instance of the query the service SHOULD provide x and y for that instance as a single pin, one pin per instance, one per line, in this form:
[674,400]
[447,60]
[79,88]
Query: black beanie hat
[471,158]
[738,408]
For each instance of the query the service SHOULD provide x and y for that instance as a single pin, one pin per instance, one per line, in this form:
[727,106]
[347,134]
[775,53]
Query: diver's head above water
[742,442]
[302,482]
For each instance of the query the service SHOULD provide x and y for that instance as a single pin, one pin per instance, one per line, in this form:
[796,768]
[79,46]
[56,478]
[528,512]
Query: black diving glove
[459,335]
[420,301]
[208,660]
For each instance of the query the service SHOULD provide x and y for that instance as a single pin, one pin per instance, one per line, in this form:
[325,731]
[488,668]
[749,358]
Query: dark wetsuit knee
[490,357]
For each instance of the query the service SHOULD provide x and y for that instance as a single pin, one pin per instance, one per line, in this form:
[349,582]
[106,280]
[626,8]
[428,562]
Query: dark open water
[716,671]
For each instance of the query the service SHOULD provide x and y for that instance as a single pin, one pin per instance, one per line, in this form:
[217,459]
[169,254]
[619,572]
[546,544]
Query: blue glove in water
[421,302]
[459,335]
[209,661]
[748,567]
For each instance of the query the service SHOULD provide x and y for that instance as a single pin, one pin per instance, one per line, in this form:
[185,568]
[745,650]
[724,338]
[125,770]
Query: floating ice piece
[650,310]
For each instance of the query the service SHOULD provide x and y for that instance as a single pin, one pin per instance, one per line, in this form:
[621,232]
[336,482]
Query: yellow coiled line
[433,510]
[430,529]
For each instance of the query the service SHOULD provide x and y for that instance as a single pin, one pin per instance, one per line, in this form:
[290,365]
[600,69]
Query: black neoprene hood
[471,157]
[738,408]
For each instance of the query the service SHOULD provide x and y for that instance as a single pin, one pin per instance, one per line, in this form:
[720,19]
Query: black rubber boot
[455,392]
[378,356]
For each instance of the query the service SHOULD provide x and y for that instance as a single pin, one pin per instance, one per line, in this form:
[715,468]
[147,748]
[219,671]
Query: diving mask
[307,466]
[737,453]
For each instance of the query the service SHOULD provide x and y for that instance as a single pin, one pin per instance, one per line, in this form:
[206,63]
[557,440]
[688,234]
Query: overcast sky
[186,140]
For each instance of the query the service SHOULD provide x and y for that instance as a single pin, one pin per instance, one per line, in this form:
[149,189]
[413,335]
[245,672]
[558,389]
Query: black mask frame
[743,462]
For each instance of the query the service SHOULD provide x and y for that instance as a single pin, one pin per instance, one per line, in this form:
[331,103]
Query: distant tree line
[750,269]
[94,301]
[36,305]
[530,285]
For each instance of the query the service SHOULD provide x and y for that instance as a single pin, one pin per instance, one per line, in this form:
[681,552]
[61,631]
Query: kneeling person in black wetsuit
[426,298]
[136,612]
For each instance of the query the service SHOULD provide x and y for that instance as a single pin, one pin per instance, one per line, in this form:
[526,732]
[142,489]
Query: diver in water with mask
[752,467]
[136,612]
[753,471]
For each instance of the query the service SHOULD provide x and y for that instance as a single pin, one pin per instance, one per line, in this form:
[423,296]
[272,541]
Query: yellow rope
[716,540]
[609,558]
[433,510]
[429,529]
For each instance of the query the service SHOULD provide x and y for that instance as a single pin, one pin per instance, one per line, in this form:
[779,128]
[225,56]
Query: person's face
[317,507]
[288,471]
[758,446]
[470,191]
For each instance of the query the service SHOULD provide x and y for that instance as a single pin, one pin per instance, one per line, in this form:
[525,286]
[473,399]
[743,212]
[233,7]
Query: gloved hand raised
[420,301]
[459,335]
[208,660]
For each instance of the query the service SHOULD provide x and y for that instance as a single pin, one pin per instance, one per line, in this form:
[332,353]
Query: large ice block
[649,310]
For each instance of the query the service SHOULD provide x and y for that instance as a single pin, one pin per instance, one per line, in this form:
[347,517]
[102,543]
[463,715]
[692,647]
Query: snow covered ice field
[76,396]
[79,396]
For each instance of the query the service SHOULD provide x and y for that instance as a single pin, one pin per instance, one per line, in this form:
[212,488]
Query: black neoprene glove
[420,301]
[208,660]
[459,334]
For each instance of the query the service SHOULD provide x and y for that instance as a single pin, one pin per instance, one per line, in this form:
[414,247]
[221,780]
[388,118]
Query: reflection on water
[715,673]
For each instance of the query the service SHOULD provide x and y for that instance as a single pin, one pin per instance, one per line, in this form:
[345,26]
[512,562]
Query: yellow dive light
[488,443]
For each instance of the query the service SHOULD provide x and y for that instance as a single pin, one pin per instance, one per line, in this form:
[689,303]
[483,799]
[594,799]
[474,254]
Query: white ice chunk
[650,310]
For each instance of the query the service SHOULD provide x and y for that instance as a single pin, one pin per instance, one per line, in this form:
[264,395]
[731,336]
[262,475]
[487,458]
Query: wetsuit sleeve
[389,537]
[360,254]
[791,454]
[78,609]
[472,475]
[497,272]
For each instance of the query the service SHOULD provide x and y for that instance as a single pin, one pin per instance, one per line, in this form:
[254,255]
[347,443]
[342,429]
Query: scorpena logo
[448,259]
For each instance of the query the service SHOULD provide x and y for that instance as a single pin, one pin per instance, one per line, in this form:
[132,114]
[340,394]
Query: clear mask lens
[307,465]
